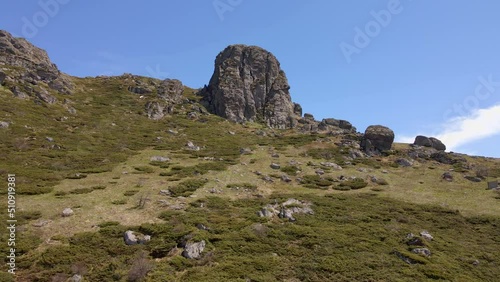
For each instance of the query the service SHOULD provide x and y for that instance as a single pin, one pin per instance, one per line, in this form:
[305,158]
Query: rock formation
[249,85]
[28,72]
[377,138]
[429,142]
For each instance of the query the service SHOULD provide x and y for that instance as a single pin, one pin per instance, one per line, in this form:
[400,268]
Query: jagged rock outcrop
[28,72]
[249,85]
[429,142]
[377,138]
[161,95]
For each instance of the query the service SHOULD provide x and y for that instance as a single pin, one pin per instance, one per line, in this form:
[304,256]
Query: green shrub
[356,183]
[187,187]
[144,169]
[60,193]
[81,191]
[317,182]
[290,170]
[130,193]
[242,186]
[119,202]
[99,187]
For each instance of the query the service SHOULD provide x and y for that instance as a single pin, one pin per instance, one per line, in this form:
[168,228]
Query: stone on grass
[133,238]
[193,250]
[426,235]
[67,212]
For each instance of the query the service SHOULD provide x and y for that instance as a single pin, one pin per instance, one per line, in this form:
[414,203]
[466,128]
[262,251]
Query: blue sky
[418,67]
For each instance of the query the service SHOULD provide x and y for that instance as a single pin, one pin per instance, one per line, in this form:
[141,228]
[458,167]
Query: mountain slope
[140,154]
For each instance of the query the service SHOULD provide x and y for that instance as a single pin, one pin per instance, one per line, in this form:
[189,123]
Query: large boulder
[193,250]
[249,85]
[134,238]
[429,142]
[377,138]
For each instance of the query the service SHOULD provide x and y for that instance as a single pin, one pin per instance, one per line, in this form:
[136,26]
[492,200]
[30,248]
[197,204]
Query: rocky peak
[249,85]
[28,71]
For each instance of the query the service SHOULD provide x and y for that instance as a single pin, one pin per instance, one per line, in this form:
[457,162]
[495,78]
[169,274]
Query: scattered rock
[245,151]
[415,241]
[404,162]
[377,138]
[275,155]
[426,235]
[193,250]
[422,251]
[201,226]
[473,178]
[67,212]
[159,159]
[76,278]
[165,192]
[133,238]
[173,132]
[41,223]
[4,124]
[275,166]
[267,179]
[320,172]
[192,115]
[286,178]
[447,176]
[286,209]
[190,145]
[331,165]
[231,133]
[156,110]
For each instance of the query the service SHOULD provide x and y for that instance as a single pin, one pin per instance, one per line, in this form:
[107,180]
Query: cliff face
[249,85]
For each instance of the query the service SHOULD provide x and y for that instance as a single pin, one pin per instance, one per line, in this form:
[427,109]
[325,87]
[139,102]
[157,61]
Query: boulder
[287,209]
[426,235]
[171,90]
[447,176]
[159,159]
[331,165]
[133,238]
[422,251]
[404,162]
[4,124]
[429,142]
[377,138]
[249,85]
[297,109]
[156,110]
[275,166]
[194,250]
[67,212]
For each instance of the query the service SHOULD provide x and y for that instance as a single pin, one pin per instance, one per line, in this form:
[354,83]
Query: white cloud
[481,124]
[456,132]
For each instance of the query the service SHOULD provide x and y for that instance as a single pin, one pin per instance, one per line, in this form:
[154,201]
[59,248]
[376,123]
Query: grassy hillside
[98,161]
